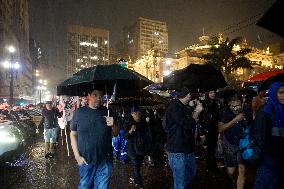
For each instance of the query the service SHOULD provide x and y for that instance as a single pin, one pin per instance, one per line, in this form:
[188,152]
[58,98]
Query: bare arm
[224,126]
[74,143]
[115,130]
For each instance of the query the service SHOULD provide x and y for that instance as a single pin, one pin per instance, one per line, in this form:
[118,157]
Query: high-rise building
[146,35]
[87,46]
[14,31]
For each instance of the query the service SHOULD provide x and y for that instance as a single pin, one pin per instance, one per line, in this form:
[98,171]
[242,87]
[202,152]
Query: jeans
[136,162]
[183,167]
[95,176]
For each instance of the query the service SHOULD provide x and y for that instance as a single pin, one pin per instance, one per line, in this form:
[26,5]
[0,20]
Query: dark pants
[211,140]
[136,162]
[270,174]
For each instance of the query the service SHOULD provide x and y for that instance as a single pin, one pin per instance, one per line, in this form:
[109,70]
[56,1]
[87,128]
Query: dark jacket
[179,126]
[49,118]
[210,115]
[264,141]
[137,141]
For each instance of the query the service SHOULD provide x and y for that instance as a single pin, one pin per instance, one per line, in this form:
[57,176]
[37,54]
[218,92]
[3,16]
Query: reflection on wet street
[33,171]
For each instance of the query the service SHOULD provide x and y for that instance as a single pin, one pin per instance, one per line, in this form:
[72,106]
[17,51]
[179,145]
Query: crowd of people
[251,129]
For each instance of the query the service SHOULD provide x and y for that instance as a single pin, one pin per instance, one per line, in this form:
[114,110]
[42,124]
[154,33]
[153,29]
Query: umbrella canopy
[196,77]
[142,98]
[271,19]
[266,84]
[103,76]
[264,76]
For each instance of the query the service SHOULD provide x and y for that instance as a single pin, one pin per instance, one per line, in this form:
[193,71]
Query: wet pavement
[33,171]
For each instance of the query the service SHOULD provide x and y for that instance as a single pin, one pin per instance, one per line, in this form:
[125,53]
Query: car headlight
[7,137]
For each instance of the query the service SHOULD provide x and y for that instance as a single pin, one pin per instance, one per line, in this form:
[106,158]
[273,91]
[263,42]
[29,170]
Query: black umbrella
[196,77]
[271,20]
[266,84]
[105,77]
[142,98]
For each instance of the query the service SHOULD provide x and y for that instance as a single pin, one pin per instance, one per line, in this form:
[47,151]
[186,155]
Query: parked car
[11,138]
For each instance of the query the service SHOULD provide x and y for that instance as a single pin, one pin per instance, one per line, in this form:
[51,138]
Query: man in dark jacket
[50,124]
[179,124]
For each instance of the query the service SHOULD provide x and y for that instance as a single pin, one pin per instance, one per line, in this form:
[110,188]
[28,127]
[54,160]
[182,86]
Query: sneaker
[131,180]
[139,186]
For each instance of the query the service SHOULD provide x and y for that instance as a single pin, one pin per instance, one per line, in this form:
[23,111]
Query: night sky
[185,18]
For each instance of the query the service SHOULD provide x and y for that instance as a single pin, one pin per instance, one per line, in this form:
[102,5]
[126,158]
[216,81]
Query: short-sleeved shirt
[234,133]
[49,118]
[94,136]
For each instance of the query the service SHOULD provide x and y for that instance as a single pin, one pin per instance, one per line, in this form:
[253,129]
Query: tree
[224,57]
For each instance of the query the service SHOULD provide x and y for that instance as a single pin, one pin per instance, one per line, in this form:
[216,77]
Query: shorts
[232,155]
[50,135]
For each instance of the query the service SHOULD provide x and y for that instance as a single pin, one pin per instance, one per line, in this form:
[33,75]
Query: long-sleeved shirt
[179,126]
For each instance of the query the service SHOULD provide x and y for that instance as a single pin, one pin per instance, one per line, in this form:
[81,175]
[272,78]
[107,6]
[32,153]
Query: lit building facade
[263,59]
[14,31]
[87,46]
[145,35]
[155,67]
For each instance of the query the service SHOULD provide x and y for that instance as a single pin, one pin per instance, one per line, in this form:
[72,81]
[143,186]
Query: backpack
[245,145]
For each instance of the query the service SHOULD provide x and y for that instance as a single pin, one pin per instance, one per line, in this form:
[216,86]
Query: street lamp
[11,66]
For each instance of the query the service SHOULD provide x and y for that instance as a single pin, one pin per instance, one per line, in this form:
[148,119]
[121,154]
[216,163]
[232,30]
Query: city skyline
[186,21]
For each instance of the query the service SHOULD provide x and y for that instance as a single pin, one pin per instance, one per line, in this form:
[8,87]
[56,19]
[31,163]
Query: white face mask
[191,103]
[147,119]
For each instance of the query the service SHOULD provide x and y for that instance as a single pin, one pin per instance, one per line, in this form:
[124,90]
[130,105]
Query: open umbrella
[106,77]
[270,20]
[264,76]
[196,77]
[142,98]
[266,84]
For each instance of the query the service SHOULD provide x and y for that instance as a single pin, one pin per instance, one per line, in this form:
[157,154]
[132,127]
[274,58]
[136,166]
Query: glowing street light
[16,65]
[168,62]
[11,49]
[167,72]
[6,64]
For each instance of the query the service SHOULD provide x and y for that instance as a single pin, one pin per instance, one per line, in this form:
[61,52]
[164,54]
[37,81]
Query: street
[32,170]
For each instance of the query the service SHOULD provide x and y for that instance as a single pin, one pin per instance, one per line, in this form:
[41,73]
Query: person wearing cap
[91,140]
[179,124]
[50,123]
[136,144]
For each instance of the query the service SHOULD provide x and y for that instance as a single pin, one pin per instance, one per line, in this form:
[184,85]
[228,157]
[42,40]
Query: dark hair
[135,108]
[48,102]
[182,92]
[234,97]
[89,91]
